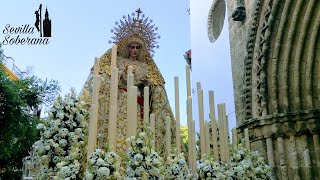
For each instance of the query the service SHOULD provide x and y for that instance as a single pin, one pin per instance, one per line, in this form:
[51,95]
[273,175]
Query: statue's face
[134,50]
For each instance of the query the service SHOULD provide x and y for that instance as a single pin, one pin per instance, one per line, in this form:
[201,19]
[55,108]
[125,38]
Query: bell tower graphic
[43,27]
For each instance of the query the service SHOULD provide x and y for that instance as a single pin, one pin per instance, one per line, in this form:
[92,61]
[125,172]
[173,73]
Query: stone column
[282,158]
[306,157]
[294,158]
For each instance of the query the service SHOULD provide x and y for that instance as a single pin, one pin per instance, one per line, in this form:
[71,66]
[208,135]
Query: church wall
[239,33]
[275,66]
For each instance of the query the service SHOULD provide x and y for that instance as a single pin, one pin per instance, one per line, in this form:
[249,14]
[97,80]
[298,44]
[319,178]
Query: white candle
[131,80]
[113,56]
[92,139]
[134,104]
[112,128]
[226,125]
[132,112]
[189,116]
[114,86]
[234,136]
[113,109]
[146,105]
[96,67]
[214,126]
[193,147]
[130,70]
[223,133]
[168,136]
[153,130]
[93,121]
[130,76]
[177,110]
[201,122]
[198,85]
[188,80]
[207,138]
[129,112]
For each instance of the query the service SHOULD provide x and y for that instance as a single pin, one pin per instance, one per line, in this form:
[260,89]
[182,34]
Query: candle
[146,105]
[198,85]
[130,76]
[130,70]
[207,138]
[131,80]
[168,136]
[93,121]
[92,139]
[193,147]
[132,112]
[112,128]
[189,116]
[177,110]
[234,137]
[188,80]
[114,86]
[113,109]
[129,114]
[152,125]
[201,122]
[96,67]
[223,133]
[226,125]
[134,91]
[214,126]
[113,56]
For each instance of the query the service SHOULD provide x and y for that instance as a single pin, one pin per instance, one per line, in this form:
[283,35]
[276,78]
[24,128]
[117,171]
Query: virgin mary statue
[135,37]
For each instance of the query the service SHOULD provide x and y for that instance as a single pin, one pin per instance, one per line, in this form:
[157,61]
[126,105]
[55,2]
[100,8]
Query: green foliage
[17,99]
[20,127]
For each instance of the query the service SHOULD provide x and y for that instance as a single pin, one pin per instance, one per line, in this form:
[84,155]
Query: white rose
[103,172]
[40,126]
[89,176]
[100,162]
[60,115]
[47,147]
[50,115]
[142,134]
[156,162]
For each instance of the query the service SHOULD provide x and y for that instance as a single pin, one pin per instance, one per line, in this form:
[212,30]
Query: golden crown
[136,25]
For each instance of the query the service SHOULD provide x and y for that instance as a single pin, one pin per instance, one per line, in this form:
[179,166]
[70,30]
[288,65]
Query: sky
[81,32]
[211,63]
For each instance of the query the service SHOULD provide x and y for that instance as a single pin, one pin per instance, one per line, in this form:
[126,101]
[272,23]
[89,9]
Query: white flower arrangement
[177,167]
[62,139]
[141,161]
[210,169]
[244,164]
[102,166]
[248,165]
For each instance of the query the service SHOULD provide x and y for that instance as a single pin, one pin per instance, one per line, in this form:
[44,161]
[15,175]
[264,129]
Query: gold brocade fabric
[159,103]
